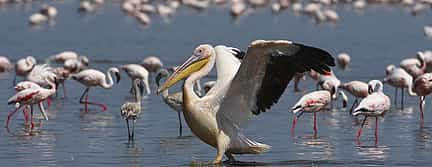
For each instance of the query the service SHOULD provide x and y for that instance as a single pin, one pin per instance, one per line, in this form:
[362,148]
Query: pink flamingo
[415,68]
[5,64]
[152,63]
[92,78]
[312,102]
[358,89]
[63,56]
[423,87]
[31,96]
[374,105]
[399,78]
[24,66]
[61,74]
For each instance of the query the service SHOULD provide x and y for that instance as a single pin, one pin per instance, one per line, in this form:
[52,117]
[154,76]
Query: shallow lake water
[375,37]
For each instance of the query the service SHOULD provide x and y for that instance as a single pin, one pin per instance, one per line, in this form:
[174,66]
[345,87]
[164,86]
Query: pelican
[374,105]
[92,78]
[135,71]
[218,117]
[131,110]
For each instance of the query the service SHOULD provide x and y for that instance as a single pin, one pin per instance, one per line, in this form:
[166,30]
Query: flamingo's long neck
[188,91]
[108,84]
[137,93]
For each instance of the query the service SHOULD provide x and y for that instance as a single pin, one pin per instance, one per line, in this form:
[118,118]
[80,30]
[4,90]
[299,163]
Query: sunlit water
[375,38]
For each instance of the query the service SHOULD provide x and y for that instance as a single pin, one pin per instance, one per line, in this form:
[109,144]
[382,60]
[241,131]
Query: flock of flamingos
[248,83]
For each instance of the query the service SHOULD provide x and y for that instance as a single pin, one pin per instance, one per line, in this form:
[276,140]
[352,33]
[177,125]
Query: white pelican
[374,105]
[218,117]
[135,71]
[131,110]
[30,97]
[92,78]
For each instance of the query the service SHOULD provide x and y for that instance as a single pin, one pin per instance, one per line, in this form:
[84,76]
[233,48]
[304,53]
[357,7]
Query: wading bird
[218,117]
[423,87]
[131,110]
[358,89]
[93,78]
[135,71]
[374,105]
[24,66]
[312,103]
[152,63]
[399,78]
[30,97]
[5,64]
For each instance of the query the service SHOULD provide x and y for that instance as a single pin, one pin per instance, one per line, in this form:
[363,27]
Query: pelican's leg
[231,158]
[376,130]
[127,124]
[353,105]
[180,124]
[41,108]
[361,128]
[84,95]
[315,127]
[10,115]
[422,103]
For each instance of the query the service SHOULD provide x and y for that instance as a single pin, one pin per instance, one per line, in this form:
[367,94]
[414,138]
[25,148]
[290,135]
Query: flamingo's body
[152,64]
[414,66]
[343,60]
[399,78]
[40,74]
[358,89]
[135,71]
[31,96]
[311,103]
[5,64]
[94,78]
[24,66]
[423,87]
[64,56]
[374,105]
[76,65]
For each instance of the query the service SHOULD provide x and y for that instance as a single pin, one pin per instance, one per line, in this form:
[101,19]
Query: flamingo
[423,87]
[131,110]
[152,64]
[414,67]
[62,74]
[374,105]
[358,89]
[30,97]
[63,56]
[24,66]
[76,65]
[5,64]
[343,60]
[399,78]
[40,74]
[329,82]
[135,71]
[93,78]
[312,103]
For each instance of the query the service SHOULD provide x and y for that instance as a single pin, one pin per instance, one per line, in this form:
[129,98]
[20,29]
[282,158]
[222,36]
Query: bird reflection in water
[134,154]
[423,138]
[373,153]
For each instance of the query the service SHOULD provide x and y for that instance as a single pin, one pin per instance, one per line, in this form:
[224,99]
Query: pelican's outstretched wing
[263,76]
